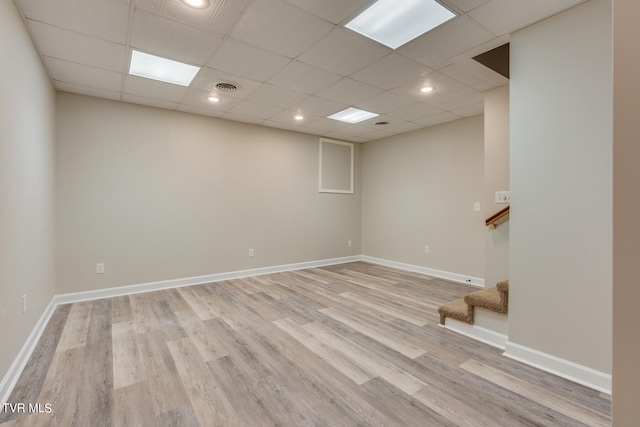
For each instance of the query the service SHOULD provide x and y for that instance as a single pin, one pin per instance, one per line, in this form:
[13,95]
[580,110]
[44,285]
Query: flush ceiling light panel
[162,69]
[394,23]
[352,115]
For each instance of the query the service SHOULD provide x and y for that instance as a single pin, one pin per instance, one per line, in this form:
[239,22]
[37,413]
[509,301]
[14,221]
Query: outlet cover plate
[503,197]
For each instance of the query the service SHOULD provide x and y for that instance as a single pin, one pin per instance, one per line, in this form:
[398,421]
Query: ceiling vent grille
[226,87]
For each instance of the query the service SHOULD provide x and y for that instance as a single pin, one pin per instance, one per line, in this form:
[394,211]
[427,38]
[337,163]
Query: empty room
[319,213]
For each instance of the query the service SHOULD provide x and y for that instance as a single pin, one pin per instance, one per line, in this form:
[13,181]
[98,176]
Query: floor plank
[354,344]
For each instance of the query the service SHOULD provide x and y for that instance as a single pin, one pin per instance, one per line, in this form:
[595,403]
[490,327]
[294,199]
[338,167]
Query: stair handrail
[496,218]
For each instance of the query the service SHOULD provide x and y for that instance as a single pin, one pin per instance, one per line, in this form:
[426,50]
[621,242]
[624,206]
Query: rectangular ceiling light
[352,115]
[394,23]
[162,69]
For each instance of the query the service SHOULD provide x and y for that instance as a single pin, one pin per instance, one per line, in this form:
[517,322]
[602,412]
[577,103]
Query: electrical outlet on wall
[427,249]
[251,252]
[503,197]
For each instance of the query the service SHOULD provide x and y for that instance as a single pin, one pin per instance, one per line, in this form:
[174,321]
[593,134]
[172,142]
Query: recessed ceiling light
[394,23]
[352,115]
[213,98]
[298,117]
[162,69]
[197,4]
[426,89]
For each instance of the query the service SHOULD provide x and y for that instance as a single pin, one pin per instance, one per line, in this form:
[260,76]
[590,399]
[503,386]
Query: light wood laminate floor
[348,345]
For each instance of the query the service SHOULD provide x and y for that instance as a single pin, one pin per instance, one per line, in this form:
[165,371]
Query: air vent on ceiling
[381,123]
[226,87]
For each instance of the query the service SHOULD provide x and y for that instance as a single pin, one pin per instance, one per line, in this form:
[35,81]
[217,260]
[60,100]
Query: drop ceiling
[286,57]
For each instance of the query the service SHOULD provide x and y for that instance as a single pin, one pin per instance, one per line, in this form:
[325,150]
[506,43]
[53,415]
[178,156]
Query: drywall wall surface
[496,178]
[626,212]
[160,195]
[560,257]
[26,186]
[419,190]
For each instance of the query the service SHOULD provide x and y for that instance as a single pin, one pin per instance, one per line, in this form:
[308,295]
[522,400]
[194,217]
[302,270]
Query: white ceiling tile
[200,110]
[457,99]
[403,127]
[304,78]
[281,125]
[177,10]
[198,98]
[385,102]
[227,14]
[321,106]
[441,84]
[470,110]
[85,45]
[207,79]
[446,41]
[371,135]
[486,85]
[438,119]
[148,88]
[83,75]
[288,117]
[416,112]
[461,74]
[466,5]
[278,96]
[325,125]
[150,102]
[279,27]
[334,11]
[343,52]
[247,61]
[391,71]
[310,131]
[393,121]
[505,16]
[84,90]
[255,110]
[349,91]
[75,47]
[356,139]
[150,5]
[242,118]
[106,19]
[349,132]
[160,36]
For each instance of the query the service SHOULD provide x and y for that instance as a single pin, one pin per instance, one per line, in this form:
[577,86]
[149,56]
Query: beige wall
[26,186]
[496,178]
[158,195]
[626,212]
[419,189]
[561,186]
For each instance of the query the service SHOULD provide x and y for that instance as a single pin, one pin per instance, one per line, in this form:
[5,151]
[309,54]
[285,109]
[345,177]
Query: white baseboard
[478,333]
[11,378]
[16,368]
[563,368]
[197,280]
[454,277]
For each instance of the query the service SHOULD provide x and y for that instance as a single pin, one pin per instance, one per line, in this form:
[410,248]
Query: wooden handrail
[497,217]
